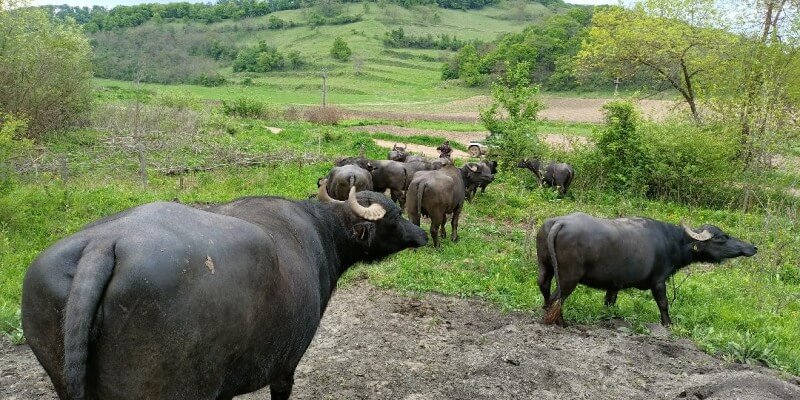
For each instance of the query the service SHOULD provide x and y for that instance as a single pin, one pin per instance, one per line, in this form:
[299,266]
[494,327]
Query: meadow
[746,310]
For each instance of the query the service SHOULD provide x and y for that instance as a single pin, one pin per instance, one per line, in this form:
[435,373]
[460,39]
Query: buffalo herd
[167,301]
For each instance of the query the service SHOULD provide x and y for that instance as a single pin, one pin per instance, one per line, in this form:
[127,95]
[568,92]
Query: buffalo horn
[702,236]
[322,193]
[473,168]
[372,213]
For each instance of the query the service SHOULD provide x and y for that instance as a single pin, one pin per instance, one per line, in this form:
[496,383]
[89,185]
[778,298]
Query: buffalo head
[376,227]
[711,244]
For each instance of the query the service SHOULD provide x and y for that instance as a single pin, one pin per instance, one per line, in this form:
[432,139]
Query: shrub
[45,71]
[210,79]
[262,58]
[512,116]
[690,163]
[323,115]
[340,50]
[178,99]
[245,107]
[621,149]
[295,60]
[12,143]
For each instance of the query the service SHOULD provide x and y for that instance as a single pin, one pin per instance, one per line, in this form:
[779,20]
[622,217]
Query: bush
[262,58]
[45,70]
[12,144]
[621,149]
[323,115]
[690,163]
[511,119]
[340,50]
[178,99]
[295,60]
[210,79]
[245,107]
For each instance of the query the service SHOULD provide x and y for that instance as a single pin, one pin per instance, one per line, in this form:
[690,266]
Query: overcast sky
[112,3]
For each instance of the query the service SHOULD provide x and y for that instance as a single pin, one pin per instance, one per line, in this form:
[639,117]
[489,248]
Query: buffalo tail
[554,310]
[420,190]
[92,274]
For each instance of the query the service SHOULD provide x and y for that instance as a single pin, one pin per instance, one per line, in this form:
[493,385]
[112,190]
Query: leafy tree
[624,42]
[44,69]
[340,50]
[511,119]
[262,58]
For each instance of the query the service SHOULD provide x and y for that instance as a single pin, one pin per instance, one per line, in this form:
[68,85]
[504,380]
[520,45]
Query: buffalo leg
[282,389]
[611,297]
[660,294]
[435,223]
[545,280]
[554,314]
[454,222]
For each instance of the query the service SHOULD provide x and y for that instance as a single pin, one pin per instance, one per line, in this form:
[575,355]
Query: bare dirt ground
[378,344]
[553,139]
[466,110]
[426,151]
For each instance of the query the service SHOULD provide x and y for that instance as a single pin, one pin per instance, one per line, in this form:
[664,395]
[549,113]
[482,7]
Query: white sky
[112,3]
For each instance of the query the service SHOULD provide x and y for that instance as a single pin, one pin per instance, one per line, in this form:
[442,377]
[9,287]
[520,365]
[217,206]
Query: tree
[625,42]
[511,119]
[340,50]
[44,69]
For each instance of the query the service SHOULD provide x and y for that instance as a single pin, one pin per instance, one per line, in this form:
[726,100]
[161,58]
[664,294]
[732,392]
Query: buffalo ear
[364,232]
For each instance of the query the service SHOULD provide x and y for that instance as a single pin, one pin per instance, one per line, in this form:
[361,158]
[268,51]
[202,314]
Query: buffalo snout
[413,235]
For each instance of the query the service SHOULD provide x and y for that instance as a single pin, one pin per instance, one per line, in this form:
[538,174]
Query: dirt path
[466,110]
[426,151]
[552,139]
[377,344]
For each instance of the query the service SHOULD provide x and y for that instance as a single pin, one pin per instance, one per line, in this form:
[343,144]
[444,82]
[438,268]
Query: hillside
[375,74]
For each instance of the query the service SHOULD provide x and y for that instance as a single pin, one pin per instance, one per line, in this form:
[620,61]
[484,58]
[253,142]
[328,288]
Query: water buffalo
[398,153]
[437,193]
[483,175]
[386,174]
[340,179]
[558,175]
[165,301]
[615,254]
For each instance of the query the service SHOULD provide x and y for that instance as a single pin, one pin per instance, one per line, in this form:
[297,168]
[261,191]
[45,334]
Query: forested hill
[101,18]
[416,43]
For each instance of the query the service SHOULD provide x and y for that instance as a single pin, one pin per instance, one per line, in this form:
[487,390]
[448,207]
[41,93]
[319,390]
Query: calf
[616,254]
[558,175]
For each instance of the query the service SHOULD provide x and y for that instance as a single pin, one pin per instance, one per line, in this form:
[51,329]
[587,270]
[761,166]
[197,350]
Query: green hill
[190,52]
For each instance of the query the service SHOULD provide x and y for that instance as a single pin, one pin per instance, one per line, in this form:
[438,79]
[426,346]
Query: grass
[746,309]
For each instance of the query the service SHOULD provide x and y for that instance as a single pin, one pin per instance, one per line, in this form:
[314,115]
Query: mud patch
[378,344]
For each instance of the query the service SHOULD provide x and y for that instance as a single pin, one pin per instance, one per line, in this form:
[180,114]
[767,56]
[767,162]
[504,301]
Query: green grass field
[751,304]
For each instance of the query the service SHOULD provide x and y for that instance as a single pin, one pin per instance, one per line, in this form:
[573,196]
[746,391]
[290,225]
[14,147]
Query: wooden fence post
[63,168]
[142,166]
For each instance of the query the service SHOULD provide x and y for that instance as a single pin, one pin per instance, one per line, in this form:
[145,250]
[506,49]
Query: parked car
[477,149]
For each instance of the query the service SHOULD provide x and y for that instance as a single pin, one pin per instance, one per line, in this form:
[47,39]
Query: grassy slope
[715,305]
[387,76]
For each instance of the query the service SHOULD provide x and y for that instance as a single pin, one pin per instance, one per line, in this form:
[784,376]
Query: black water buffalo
[165,301]
[615,254]
[558,175]
[398,153]
[437,193]
[483,175]
[340,179]
[386,174]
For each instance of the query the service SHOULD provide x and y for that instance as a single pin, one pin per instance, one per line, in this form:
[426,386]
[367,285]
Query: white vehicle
[477,149]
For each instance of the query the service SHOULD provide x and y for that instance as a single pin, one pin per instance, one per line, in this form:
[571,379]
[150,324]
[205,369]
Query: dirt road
[466,110]
[552,139]
[378,344]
